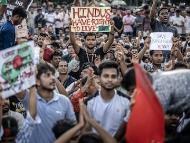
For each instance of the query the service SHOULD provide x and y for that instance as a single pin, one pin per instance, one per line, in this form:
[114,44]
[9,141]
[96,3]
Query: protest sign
[161,41]
[90,19]
[17,68]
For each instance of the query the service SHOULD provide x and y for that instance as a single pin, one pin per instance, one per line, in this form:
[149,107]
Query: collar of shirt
[54,99]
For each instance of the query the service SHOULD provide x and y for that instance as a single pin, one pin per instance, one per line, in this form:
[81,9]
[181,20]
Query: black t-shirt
[158,26]
[118,21]
[75,75]
[85,57]
[17,105]
[68,81]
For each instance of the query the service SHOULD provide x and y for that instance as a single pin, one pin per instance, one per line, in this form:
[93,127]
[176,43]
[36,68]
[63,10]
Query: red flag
[146,122]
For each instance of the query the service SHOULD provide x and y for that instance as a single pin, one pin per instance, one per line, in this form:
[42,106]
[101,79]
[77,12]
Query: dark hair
[60,127]
[129,79]
[108,64]
[44,68]
[180,65]
[152,52]
[162,9]
[43,35]
[20,12]
[90,34]
[90,138]
[178,10]
[87,65]
[10,127]
[56,53]
[55,45]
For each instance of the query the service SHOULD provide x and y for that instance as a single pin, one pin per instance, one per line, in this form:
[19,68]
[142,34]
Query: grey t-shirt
[173,90]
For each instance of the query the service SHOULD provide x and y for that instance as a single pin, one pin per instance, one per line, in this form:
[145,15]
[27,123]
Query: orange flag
[146,122]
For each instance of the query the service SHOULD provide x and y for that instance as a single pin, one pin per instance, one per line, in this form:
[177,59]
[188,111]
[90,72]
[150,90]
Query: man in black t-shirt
[162,24]
[118,20]
[89,53]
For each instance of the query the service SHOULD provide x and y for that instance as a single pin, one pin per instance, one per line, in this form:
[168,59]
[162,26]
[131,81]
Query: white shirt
[50,17]
[109,115]
[179,21]
[187,24]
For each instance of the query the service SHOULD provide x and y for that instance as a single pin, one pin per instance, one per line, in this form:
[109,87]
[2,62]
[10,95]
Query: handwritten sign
[161,41]
[17,68]
[90,19]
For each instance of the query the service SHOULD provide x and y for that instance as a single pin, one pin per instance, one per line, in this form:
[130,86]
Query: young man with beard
[109,107]
[64,77]
[161,25]
[51,106]
[7,30]
[9,113]
[88,53]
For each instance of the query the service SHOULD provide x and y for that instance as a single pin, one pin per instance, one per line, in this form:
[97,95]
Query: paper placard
[17,68]
[161,41]
[90,19]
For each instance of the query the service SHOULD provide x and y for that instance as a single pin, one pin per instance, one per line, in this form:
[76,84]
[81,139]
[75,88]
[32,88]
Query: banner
[17,68]
[90,19]
[161,41]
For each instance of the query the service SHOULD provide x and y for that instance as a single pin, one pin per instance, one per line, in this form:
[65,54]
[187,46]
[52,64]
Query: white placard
[17,68]
[161,41]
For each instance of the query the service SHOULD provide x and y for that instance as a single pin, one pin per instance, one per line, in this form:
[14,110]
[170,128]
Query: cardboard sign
[161,41]
[15,3]
[90,19]
[17,68]
[22,30]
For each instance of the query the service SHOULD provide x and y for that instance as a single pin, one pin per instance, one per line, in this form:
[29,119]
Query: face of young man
[63,67]
[47,81]
[6,106]
[40,40]
[56,60]
[157,57]
[109,78]
[90,42]
[164,15]
[17,20]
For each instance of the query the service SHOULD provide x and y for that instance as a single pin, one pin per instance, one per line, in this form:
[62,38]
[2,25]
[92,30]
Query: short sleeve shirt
[58,108]
[110,114]
[85,57]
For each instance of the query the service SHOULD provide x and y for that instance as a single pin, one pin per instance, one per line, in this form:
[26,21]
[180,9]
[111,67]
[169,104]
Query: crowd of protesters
[78,96]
